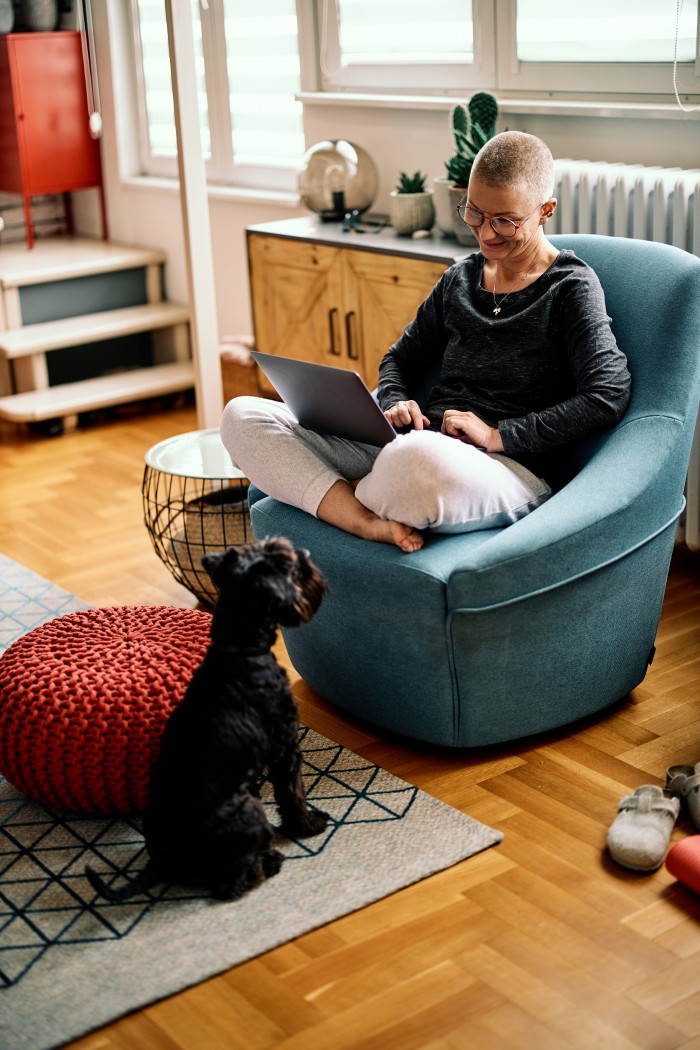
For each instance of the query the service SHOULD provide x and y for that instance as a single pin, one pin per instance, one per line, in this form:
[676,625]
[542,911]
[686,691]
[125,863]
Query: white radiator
[628,200]
[651,204]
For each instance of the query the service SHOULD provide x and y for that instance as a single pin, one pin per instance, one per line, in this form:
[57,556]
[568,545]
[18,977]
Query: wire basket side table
[195,502]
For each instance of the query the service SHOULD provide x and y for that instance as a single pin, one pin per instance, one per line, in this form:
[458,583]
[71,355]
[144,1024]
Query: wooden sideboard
[337,298]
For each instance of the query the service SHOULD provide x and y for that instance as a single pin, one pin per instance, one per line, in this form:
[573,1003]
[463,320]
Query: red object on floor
[46,146]
[84,700]
[683,862]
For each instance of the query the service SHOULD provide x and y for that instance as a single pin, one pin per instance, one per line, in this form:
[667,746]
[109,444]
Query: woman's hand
[405,413]
[467,427]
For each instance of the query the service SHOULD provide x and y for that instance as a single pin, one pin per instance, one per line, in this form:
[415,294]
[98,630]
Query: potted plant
[477,118]
[412,206]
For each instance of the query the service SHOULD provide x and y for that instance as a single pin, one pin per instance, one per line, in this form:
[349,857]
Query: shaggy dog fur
[204,824]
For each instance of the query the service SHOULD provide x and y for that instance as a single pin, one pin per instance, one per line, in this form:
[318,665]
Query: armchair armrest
[627,493]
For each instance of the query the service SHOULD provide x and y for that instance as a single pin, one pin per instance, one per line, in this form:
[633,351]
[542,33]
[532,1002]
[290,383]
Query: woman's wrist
[495,442]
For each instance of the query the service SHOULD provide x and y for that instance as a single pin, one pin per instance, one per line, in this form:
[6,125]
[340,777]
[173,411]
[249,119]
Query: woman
[527,364]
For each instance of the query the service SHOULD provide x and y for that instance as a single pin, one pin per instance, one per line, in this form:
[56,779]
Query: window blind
[626,31]
[255,69]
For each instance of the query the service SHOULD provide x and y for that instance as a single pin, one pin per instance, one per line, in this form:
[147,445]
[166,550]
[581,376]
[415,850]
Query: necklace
[498,306]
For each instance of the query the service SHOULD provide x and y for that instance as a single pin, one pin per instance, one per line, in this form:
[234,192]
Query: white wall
[397,139]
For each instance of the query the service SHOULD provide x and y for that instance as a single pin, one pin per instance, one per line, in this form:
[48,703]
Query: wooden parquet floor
[542,942]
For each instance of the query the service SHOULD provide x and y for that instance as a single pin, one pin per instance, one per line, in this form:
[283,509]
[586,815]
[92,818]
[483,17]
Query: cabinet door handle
[353,352]
[332,313]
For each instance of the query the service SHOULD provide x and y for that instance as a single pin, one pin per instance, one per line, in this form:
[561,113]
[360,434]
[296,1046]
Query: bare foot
[404,537]
[341,508]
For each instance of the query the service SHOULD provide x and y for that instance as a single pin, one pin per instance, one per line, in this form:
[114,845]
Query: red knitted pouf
[683,862]
[84,700]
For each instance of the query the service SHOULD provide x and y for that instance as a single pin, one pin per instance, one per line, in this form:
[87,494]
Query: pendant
[497,310]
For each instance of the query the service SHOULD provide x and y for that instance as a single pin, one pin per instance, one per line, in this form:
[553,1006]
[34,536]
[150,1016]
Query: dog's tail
[145,880]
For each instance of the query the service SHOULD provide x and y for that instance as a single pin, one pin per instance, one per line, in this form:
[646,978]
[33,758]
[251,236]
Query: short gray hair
[517,159]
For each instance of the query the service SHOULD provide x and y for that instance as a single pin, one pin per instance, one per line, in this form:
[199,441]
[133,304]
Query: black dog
[204,824]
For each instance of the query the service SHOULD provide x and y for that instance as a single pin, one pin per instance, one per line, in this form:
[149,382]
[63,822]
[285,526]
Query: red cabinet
[45,140]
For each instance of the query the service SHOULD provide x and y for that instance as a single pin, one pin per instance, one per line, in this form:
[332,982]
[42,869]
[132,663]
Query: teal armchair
[494,635]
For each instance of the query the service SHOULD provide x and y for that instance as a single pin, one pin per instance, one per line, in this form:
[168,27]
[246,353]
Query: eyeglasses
[503,227]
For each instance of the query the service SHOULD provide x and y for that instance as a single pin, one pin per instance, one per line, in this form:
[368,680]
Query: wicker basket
[239,372]
[209,525]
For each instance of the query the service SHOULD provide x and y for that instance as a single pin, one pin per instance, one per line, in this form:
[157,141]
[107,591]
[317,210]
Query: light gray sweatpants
[423,479]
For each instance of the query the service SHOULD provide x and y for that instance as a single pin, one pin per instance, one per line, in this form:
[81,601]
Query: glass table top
[197,454]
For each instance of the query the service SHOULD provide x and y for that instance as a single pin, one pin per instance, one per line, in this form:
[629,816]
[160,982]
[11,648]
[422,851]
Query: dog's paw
[228,891]
[313,822]
[272,862]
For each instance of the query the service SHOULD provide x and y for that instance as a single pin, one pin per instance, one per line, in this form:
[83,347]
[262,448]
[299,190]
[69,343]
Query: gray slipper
[639,836]
[684,783]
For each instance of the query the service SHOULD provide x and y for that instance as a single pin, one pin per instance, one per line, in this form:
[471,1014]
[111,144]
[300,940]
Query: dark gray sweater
[546,370]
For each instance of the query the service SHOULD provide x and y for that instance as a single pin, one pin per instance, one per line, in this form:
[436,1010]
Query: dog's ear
[215,564]
[290,579]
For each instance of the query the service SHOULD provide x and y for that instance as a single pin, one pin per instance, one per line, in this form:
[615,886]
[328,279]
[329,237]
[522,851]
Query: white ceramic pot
[462,232]
[411,211]
[443,205]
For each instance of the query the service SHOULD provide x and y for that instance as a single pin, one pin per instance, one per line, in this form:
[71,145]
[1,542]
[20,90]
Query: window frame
[150,163]
[404,76]
[590,78]
[222,168]
[497,66]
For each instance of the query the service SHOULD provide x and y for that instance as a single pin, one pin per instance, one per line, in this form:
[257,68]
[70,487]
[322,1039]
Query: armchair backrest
[652,293]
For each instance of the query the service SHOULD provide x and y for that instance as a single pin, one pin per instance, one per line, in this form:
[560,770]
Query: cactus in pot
[472,127]
[479,116]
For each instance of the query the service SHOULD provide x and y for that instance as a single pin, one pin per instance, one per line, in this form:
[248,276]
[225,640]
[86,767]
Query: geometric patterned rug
[71,962]
[27,601]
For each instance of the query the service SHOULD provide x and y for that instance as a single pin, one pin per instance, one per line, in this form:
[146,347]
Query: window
[263,74]
[247,67]
[406,44]
[622,47]
[640,32]
[533,45]
[156,95]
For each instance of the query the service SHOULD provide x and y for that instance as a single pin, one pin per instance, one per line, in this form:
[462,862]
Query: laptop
[330,400]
